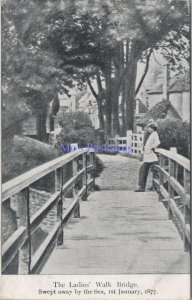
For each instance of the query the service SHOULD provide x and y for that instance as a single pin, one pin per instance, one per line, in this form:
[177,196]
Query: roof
[178,84]
[159,111]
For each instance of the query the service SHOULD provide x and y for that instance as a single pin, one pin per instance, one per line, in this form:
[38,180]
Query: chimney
[166,79]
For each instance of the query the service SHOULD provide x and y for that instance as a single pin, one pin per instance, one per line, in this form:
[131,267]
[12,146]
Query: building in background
[140,110]
[162,110]
[88,105]
[161,84]
[178,95]
[82,101]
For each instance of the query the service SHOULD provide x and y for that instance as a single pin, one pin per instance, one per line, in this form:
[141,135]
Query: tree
[104,41]
[76,128]
[30,73]
[142,27]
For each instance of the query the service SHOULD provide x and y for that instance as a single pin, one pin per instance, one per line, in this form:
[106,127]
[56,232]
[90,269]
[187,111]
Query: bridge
[106,230]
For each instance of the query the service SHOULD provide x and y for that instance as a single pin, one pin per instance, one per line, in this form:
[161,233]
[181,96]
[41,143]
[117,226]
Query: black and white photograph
[95,149]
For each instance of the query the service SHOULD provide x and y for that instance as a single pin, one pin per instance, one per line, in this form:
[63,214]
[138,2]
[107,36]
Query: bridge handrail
[181,160]
[13,186]
[173,187]
[20,228]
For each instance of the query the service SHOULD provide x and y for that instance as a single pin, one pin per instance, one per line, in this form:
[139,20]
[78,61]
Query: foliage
[88,39]
[167,130]
[145,28]
[23,155]
[176,49]
[76,128]
[175,133]
[46,44]
[30,75]
[183,142]
[159,111]
[13,115]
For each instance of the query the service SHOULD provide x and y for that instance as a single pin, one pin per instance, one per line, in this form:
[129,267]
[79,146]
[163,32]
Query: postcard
[95,150]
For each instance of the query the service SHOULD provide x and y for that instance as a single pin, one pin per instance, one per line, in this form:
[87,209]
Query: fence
[70,175]
[173,187]
[132,143]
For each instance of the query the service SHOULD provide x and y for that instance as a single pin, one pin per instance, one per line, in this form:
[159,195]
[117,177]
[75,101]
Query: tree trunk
[115,108]
[108,105]
[124,58]
[41,117]
[130,82]
[123,130]
[51,122]
[133,53]
[100,101]
[145,72]
[108,108]
[100,111]
[118,61]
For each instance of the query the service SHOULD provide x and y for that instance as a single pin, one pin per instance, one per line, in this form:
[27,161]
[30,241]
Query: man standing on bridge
[149,157]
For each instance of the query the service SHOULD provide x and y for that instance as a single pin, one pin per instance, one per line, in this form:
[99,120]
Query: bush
[183,139]
[175,133]
[76,128]
[23,154]
[167,130]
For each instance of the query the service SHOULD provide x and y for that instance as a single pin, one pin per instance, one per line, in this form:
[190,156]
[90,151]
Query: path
[120,173]
[120,231]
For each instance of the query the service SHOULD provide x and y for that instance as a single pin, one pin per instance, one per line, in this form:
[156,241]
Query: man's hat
[152,124]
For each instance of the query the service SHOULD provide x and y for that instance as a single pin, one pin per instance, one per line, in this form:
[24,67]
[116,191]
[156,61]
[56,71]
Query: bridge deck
[120,232]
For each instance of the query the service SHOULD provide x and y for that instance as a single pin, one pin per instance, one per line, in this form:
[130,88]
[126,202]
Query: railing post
[171,190]
[162,165]
[59,187]
[77,209]
[129,139]
[24,220]
[186,209]
[9,225]
[74,172]
[92,159]
[90,162]
[106,138]
[85,173]
[177,171]
[116,139]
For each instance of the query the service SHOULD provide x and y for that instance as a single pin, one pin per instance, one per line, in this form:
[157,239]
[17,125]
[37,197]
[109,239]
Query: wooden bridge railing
[173,186]
[70,176]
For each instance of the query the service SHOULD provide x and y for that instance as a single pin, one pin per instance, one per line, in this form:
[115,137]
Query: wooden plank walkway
[119,232]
